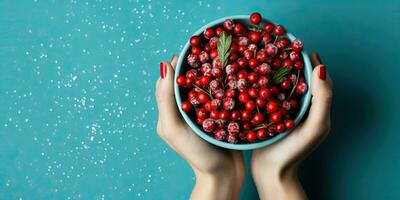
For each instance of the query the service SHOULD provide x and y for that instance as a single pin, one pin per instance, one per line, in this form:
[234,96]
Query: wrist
[219,185]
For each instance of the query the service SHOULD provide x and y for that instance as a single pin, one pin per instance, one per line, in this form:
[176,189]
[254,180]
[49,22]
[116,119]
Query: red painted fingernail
[322,72]
[163,69]
[318,58]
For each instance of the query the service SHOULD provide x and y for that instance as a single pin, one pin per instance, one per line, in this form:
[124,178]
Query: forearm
[278,184]
[216,187]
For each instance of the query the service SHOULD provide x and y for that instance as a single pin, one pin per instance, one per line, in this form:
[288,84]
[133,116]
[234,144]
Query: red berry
[253,93]
[233,127]
[272,107]
[203,57]
[228,103]
[201,113]
[262,81]
[224,115]
[250,105]
[232,138]
[261,56]
[301,88]
[253,63]
[246,115]
[242,62]
[279,30]
[214,114]
[231,93]
[208,33]
[228,24]
[298,64]
[213,54]
[297,45]
[239,29]
[269,27]
[265,93]
[219,30]
[196,50]
[251,136]
[255,18]
[252,77]
[264,69]
[261,134]
[254,37]
[276,63]
[181,80]
[205,80]
[289,124]
[285,84]
[195,41]
[186,106]
[248,54]
[242,74]
[220,134]
[242,48]
[260,103]
[280,128]
[267,38]
[294,56]
[282,43]
[202,97]
[287,63]
[258,118]
[235,115]
[246,126]
[243,97]
[205,69]
[209,125]
[275,117]
[271,49]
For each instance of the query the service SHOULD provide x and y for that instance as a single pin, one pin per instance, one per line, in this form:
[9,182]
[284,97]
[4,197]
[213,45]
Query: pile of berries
[243,84]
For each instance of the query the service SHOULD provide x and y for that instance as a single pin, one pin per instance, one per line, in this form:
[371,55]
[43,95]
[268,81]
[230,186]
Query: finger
[168,111]
[321,91]
[174,60]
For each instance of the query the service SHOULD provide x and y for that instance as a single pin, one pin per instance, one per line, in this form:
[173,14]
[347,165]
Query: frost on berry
[281,96]
[233,128]
[216,72]
[194,101]
[230,70]
[220,134]
[216,63]
[215,85]
[208,125]
[229,103]
[193,60]
[206,69]
[252,47]
[292,78]
[286,105]
[264,69]
[243,41]
[228,24]
[241,84]
[271,49]
[232,138]
[203,57]
[232,84]
[213,42]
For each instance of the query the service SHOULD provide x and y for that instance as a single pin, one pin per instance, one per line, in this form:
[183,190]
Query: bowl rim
[303,109]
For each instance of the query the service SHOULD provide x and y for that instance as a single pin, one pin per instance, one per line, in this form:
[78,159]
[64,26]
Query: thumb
[321,91]
[168,112]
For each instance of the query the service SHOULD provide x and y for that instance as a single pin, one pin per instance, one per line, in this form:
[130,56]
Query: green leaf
[223,48]
[280,74]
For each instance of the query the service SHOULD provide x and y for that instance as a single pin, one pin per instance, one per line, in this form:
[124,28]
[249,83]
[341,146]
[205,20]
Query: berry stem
[203,91]
[294,86]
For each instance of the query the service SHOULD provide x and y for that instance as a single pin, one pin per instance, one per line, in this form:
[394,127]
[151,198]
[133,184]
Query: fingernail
[163,69]
[173,56]
[318,58]
[322,72]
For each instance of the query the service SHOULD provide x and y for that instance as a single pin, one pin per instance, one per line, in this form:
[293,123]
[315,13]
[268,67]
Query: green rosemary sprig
[280,74]
[224,45]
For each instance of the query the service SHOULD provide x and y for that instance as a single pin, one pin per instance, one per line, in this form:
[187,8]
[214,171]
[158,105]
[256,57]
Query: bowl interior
[304,101]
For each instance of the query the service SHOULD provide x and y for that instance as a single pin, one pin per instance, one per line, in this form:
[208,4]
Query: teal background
[77,108]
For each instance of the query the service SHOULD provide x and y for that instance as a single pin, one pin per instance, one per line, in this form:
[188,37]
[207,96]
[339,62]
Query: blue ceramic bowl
[304,102]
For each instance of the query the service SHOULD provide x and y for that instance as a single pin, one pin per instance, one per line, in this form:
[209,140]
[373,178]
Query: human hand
[219,172]
[274,168]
